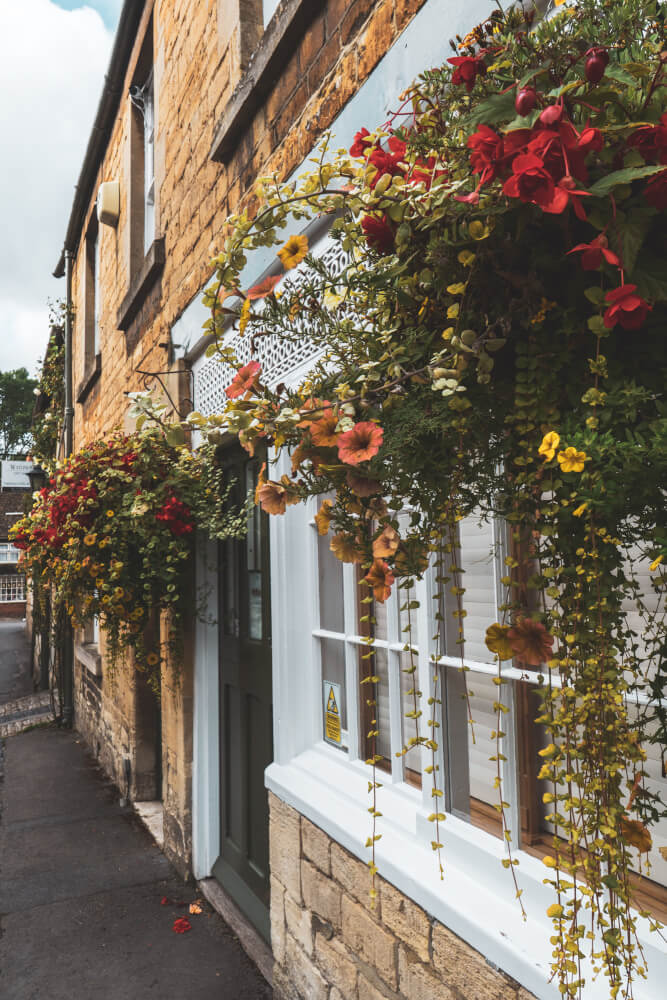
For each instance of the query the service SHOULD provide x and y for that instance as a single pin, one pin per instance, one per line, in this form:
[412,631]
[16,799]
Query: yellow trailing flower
[496,640]
[572,460]
[555,910]
[654,565]
[550,442]
[90,539]
[293,252]
[580,509]
[244,316]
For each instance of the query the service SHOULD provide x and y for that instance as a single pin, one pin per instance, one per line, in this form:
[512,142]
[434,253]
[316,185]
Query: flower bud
[526,99]
[596,63]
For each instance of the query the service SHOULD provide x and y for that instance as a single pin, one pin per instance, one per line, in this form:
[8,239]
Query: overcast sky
[53,57]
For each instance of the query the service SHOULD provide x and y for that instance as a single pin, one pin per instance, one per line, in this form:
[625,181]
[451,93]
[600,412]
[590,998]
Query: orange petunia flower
[244,381]
[530,641]
[274,497]
[323,517]
[380,578]
[345,548]
[386,543]
[360,444]
[323,431]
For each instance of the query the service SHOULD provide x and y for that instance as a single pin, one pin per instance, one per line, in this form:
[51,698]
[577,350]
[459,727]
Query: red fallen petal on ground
[181,925]
[165,901]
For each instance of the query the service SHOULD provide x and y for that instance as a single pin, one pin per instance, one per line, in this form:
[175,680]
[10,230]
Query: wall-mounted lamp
[108,203]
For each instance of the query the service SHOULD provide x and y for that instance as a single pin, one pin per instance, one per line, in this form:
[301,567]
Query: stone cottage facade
[203,97]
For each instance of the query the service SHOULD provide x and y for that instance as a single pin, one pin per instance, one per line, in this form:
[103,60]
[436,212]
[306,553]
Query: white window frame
[96,293]
[8,553]
[148,94]
[12,588]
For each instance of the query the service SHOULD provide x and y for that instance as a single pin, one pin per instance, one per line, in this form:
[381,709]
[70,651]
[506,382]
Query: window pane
[330,576]
[477,560]
[333,674]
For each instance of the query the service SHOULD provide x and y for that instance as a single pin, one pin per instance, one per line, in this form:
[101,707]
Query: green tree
[16,404]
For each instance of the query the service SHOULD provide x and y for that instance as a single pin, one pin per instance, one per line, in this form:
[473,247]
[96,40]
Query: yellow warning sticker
[332,727]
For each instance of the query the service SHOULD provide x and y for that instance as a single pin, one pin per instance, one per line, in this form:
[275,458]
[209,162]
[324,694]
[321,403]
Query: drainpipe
[67,673]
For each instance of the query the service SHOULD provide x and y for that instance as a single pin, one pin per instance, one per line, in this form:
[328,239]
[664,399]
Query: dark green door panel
[246,725]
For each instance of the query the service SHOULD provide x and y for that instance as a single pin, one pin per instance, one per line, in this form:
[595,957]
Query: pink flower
[244,380]
[360,444]
[626,308]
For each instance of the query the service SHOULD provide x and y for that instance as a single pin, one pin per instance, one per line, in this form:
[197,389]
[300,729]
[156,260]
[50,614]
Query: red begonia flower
[361,143]
[656,191]
[626,308]
[379,233]
[530,181]
[468,68]
[651,141]
[595,252]
[487,152]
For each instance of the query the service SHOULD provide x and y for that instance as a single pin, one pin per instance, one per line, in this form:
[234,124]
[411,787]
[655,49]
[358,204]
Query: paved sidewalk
[81,885]
[15,679]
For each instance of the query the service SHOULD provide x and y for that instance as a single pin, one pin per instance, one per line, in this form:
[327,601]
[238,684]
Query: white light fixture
[108,203]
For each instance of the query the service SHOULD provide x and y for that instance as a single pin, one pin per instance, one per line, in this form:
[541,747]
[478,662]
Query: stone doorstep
[24,722]
[151,815]
[252,943]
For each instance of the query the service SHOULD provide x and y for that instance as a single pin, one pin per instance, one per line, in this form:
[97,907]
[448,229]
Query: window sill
[476,900]
[278,43]
[142,283]
[89,655]
[89,379]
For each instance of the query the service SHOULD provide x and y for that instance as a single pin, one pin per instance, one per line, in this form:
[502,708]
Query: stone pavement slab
[81,884]
[15,679]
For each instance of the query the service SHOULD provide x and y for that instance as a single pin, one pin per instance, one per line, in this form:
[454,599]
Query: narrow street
[87,901]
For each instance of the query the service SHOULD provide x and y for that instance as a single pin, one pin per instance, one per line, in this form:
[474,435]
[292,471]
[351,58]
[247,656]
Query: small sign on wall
[332,706]
[16,474]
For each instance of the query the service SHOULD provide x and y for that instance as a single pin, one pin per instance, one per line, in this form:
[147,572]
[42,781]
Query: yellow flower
[244,317]
[555,910]
[110,513]
[90,539]
[580,509]
[656,562]
[293,251]
[550,442]
[496,640]
[572,460]
[466,257]
[549,861]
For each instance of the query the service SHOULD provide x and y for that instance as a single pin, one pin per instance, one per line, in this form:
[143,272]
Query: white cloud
[52,66]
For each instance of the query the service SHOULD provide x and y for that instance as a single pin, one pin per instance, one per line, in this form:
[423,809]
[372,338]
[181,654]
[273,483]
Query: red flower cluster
[626,308]
[540,165]
[468,68]
[379,233]
[392,160]
[176,516]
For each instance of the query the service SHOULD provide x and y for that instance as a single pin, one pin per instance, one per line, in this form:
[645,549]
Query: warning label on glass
[332,704]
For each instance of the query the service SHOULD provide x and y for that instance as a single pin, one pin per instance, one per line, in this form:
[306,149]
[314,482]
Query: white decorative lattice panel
[277,355]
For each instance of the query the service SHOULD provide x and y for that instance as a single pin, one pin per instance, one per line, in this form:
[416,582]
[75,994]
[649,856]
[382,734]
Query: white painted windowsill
[476,898]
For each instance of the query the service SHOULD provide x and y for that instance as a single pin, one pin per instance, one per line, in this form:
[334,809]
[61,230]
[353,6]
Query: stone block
[304,975]
[316,845]
[321,894]
[418,982]
[374,991]
[299,924]
[352,21]
[405,10]
[277,921]
[464,969]
[406,920]
[337,965]
[354,877]
[376,39]
[285,846]
[367,939]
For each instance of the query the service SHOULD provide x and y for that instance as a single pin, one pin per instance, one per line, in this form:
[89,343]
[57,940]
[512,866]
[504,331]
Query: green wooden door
[246,726]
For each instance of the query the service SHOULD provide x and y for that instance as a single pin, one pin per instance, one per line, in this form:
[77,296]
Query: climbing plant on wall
[496,344]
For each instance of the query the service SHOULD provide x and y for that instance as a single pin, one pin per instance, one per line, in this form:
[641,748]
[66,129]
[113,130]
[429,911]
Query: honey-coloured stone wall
[330,943]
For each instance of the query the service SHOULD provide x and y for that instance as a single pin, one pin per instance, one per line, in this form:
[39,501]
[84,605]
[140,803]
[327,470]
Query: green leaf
[493,109]
[596,325]
[625,176]
[651,279]
[633,233]
[594,295]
